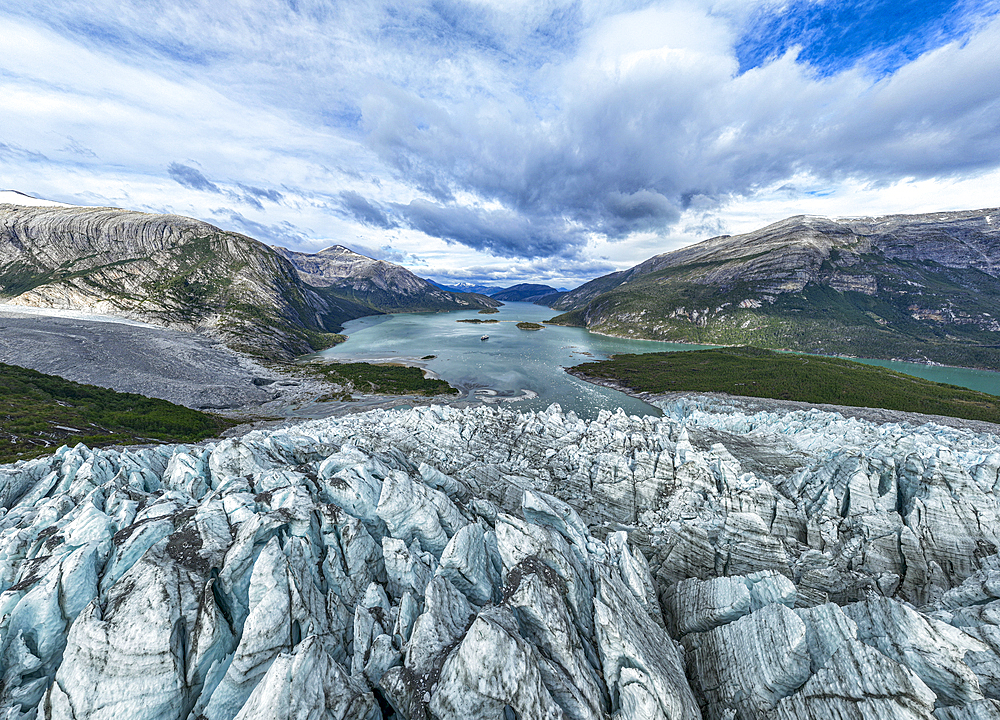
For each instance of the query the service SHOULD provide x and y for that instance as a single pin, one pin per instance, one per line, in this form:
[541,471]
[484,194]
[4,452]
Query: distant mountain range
[921,287]
[487,290]
[524,292]
[182,273]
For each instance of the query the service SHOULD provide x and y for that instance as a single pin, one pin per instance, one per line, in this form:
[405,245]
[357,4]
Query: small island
[488,311]
[477,320]
[380,379]
[529,326]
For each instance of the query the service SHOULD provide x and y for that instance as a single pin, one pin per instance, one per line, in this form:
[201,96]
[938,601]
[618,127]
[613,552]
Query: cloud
[472,132]
[543,270]
[256,192]
[652,109]
[192,178]
[500,232]
[74,147]
[283,233]
[11,151]
[365,211]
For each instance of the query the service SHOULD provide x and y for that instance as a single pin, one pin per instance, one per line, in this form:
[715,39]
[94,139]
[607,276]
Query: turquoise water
[982,380]
[528,365]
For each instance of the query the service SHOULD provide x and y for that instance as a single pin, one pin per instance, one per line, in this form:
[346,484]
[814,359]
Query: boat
[485,337]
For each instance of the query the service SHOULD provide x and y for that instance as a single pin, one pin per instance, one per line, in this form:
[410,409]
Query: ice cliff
[481,563]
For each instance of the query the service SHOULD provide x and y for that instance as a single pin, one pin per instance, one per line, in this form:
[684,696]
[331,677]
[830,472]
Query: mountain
[525,292]
[921,287]
[380,285]
[465,287]
[19,198]
[168,270]
[186,274]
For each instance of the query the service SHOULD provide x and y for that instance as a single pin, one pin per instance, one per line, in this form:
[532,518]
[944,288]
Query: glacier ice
[438,562]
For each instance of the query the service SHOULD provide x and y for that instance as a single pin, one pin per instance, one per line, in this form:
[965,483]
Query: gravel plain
[185,368]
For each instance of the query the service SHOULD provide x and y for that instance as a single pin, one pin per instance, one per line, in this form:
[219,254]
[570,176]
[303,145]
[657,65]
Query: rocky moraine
[483,563]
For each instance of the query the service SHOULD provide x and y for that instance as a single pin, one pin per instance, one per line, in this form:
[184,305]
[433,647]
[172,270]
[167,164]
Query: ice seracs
[446,563]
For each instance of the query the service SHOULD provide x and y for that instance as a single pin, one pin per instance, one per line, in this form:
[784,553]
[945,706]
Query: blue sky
[540,141]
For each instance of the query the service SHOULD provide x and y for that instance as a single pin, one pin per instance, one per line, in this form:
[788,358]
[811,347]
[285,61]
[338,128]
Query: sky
[504,141]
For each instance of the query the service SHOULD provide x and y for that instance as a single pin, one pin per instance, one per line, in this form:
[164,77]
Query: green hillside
[762,373]
[673,305]
[915,287]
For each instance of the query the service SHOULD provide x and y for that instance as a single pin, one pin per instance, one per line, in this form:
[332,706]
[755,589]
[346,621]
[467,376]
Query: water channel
[529,364]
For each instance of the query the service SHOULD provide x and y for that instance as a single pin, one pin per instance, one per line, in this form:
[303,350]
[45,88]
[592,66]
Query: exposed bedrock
[439,563]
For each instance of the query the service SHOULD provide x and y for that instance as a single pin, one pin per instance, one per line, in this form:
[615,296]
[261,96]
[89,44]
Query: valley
[500,361]
[185,274]
[426,521]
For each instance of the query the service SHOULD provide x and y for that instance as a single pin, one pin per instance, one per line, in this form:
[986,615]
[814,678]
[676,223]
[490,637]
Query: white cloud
[584,135]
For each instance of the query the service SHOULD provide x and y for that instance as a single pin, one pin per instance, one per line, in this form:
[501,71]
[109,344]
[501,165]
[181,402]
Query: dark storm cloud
[191,178]
[499,232]
[365,211]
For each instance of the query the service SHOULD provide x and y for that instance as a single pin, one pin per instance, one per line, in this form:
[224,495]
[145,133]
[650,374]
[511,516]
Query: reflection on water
[526,366]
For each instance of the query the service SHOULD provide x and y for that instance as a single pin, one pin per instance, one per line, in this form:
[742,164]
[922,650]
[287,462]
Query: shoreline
[855,358]
[749,403]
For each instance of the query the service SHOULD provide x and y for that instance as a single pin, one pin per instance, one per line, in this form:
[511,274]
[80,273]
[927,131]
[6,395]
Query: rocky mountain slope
[168,270]
[411,564]
[902,286]
[380,285]
[525,292]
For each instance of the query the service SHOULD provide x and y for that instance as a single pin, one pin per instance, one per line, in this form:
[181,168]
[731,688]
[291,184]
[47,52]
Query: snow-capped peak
[13,197]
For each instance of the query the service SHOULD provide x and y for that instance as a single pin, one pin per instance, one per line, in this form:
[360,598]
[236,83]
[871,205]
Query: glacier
[436,563]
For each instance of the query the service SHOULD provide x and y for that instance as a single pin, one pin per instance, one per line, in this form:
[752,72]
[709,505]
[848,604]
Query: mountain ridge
[168,270]
[384,286]
[182,273]
[525,292]
[923,287]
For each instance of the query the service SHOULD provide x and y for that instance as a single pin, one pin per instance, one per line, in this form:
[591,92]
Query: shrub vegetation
[39,412]
[383,379]
[763,373]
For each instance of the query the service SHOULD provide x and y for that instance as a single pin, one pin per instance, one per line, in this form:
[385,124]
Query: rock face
[164,269]
[384,286]
[479,563]
[910,286]
[185,274]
